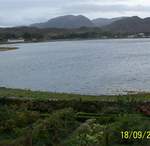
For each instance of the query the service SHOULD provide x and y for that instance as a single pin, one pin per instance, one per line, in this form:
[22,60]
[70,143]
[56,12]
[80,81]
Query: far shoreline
[64,40]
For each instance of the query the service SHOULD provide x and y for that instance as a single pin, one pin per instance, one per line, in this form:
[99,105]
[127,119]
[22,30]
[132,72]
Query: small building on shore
[15,40]
[132,36]
[142,35]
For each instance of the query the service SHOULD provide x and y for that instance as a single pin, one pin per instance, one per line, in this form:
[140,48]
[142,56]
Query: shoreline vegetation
[45,95]
[31,34]
[7,48]
[36,118]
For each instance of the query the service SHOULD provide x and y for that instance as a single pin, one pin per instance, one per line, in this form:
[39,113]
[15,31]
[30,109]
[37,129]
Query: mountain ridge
[132,24]
[67,21]
[75,21]
[99,22]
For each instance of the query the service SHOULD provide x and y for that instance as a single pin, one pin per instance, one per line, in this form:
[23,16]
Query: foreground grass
[40,95]
[7,48]
[29,119]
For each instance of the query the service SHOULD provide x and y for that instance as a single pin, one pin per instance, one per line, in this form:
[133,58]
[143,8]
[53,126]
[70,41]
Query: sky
[25,12]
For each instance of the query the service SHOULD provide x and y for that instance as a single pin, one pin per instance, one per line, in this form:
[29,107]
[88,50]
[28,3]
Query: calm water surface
[86,67]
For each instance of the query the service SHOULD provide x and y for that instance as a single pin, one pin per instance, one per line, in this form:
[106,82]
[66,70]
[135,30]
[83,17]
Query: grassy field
[35,118]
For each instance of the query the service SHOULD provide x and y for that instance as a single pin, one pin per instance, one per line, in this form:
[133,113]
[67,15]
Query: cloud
[24,12]
[106,8]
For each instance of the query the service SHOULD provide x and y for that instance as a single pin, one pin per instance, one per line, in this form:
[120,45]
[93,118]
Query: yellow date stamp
[141,135]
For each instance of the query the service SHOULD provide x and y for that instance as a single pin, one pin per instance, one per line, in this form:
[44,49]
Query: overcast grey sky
[24,12]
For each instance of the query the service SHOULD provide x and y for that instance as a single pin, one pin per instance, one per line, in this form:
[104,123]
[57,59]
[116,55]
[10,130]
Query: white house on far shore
[15,40]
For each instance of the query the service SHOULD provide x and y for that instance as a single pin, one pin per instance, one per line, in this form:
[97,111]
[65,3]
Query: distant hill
[72,27]
[68,21]
[133,24]
[71,21]
[99,22]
